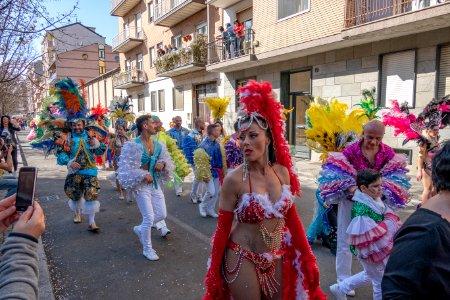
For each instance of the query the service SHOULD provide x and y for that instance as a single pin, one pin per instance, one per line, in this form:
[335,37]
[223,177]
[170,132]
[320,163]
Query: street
[110,264]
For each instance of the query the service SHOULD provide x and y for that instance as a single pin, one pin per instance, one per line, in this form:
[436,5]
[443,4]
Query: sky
[92,13]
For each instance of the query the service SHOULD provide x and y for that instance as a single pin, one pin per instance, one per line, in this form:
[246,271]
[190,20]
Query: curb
[44,284]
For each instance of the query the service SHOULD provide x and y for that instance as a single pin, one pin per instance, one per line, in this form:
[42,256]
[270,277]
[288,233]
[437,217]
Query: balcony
[184,60]
[222,3]
[127,40]
[364,11]
[51,79]
[128,79]
[120,8]
[232,55]
[171,12]
[372,20]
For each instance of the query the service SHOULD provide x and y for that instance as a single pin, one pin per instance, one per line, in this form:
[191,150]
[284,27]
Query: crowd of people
[260,249]
[232,38]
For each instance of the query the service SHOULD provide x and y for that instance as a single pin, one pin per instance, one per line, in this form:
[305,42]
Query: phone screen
[25,188]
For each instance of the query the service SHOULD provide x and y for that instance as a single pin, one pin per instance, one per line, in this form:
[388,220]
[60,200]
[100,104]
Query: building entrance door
[297,93]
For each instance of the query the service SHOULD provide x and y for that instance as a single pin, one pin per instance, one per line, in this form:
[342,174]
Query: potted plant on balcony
[199,49]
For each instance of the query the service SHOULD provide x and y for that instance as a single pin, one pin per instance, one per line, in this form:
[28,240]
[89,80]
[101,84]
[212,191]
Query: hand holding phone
[31,222]
[26,188]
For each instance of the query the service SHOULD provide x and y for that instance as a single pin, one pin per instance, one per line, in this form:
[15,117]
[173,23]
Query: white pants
[211,195]
[372,273]
[152,206]
[178,186]
[343,254]
[195,185]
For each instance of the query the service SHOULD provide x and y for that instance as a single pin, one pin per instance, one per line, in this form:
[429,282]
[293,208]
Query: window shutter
[444,72]
[398,78]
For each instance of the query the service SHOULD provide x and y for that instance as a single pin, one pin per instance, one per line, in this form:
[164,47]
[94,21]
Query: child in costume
[99,116]
[370,234]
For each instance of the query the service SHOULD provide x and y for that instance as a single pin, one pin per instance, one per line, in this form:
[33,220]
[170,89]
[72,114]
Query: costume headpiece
[218,106]
[257,99]
[97,112]
[330,128]
[121,113]
[70,103]
[435,113]
[368,104]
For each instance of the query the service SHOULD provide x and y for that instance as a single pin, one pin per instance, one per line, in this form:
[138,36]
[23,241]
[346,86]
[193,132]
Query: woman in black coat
[8,133]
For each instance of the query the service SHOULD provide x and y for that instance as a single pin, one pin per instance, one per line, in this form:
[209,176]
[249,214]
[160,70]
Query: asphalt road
[110,264]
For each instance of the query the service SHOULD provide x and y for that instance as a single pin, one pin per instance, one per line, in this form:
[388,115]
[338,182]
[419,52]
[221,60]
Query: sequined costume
[81,184]
[370,233]
[233,152]
[339,173]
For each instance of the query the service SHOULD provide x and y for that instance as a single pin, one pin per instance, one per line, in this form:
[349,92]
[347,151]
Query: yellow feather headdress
[218,106]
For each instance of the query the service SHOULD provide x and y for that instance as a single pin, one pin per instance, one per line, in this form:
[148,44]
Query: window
[202,28]
[101,51]
[203,91]
[151,54]
[138,26]
[444,72]
[151,11]
[398,77]
[239,83]
[153,101]
[288,8]
[178,101]
[139,64]
[161,100]
[176,42]
[141,102]
[117,59]
[128,65]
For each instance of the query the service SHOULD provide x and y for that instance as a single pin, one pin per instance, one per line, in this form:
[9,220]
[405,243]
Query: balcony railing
[128,79]
[364,11]
[121,7]
[228,49]
[184,60]
[127,40]
[171,12]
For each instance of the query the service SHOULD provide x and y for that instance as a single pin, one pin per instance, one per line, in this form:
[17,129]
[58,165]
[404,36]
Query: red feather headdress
[256,98]
[98,111]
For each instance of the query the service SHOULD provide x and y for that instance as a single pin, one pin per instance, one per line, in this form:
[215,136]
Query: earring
[267,159]
[245,171]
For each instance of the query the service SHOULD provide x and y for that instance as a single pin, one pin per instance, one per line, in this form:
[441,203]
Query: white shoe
[212,213]
[165,231]
[202,210]
[351,293]
[137,230]
[151,255]
[194,198]
[178,194]
[336,291]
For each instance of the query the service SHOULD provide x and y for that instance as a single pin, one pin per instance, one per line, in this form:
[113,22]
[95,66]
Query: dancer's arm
[227,202]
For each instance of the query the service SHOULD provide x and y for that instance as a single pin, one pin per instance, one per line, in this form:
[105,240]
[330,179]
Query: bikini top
[254,208]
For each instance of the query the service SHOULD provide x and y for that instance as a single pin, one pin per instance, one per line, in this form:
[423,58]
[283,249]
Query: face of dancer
[149,126]
[158,126]
[373,136]
[216,132]
[121,131]
[78,127]
[5,121]
[374,189]
[177,121]
[433,131]
[253,142]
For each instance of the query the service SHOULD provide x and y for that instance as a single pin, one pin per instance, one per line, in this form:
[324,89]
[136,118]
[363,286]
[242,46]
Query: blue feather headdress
[71,104]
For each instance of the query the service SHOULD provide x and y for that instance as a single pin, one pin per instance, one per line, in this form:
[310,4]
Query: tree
[22,22]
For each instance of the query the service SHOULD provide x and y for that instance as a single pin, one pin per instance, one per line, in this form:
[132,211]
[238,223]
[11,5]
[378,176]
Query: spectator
[19,262]
[239,41]
[231,37]
[224,36]
[419,266]
[7,182]
[8,130]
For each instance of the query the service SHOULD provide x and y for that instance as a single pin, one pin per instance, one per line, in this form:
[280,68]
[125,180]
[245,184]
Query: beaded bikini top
[254,208]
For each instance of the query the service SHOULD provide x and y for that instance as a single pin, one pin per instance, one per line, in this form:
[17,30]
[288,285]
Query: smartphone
[26,188]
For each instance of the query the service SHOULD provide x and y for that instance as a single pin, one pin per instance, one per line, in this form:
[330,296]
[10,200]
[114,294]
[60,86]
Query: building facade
[311,48]
[101,89]
[36,86]
[77,51]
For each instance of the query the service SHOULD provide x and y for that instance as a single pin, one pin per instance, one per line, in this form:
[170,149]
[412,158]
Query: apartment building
[163,53]
[336,49]
[36,85]
[101,89]
[76,51]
